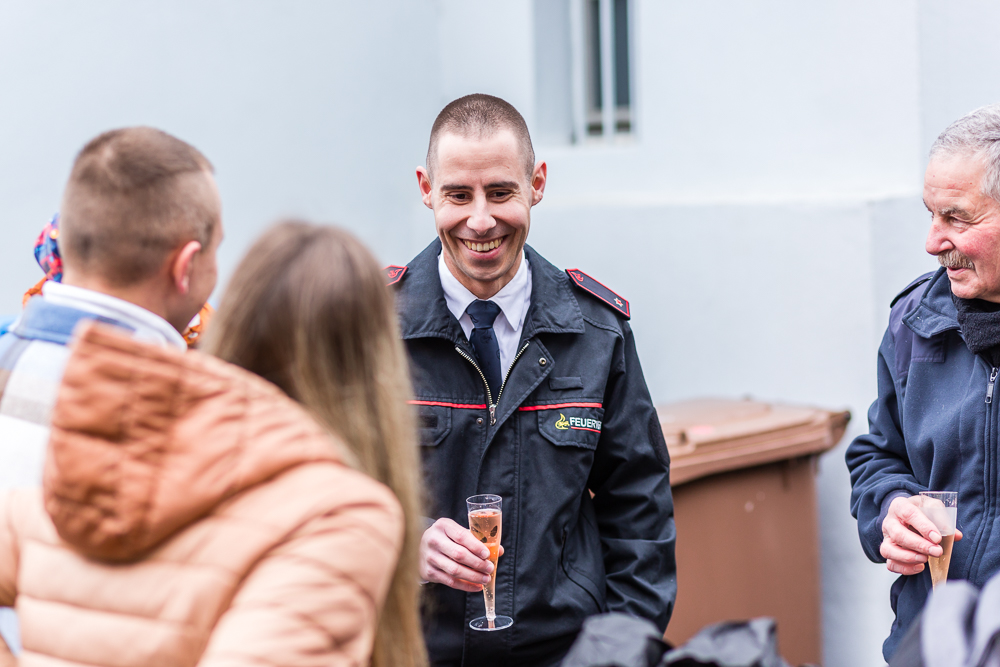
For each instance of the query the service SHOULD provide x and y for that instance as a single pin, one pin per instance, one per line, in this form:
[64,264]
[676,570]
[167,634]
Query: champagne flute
[485,522]
[941,507]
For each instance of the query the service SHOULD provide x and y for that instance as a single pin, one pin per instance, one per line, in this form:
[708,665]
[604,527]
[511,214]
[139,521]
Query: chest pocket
[434,422]
[571,426]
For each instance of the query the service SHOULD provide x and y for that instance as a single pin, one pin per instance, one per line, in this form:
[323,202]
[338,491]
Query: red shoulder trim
[393,274]
[601,291]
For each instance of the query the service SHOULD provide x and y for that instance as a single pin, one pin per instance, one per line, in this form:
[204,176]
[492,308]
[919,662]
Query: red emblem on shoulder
[600,290]
[393,274]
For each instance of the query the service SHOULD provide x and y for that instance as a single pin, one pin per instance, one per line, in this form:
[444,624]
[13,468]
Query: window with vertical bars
[583,70]
[606,47]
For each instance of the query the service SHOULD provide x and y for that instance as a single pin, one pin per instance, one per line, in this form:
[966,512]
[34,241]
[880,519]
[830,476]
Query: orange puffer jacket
[191,514]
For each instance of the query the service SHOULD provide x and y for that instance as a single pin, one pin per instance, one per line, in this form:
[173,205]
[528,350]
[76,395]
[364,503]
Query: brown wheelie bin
[743,479]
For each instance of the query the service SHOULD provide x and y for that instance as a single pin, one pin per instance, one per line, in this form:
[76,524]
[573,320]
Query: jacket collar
[53,323]
[146,325]
[423,312]
[554,308]
[936,312]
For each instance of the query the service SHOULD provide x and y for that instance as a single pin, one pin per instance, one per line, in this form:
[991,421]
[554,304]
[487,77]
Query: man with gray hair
[935,425]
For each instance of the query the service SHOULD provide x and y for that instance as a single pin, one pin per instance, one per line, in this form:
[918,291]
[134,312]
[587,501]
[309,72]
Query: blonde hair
[308,309]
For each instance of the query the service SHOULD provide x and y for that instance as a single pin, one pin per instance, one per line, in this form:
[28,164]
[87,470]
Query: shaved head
[480,116]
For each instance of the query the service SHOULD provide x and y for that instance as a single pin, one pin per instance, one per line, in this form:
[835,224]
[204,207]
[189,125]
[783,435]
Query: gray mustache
[953,259]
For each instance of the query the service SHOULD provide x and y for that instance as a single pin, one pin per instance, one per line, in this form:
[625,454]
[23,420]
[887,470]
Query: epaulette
[393,274]
[588,284]
[912,286]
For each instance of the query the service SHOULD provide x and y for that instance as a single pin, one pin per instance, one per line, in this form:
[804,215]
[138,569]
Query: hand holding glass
[941,507]
[485,522]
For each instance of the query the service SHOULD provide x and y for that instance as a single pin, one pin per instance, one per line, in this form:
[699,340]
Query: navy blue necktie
[484,342]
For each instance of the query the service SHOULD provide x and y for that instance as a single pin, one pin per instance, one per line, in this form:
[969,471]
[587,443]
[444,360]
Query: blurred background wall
[747,174]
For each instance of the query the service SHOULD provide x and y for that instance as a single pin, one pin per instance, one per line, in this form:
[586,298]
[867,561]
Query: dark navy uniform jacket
[934,427]
[574,416]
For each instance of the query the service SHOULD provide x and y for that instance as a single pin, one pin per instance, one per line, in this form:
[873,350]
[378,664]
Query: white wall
[485,47]
[959,61]
[764,101]
[316,109]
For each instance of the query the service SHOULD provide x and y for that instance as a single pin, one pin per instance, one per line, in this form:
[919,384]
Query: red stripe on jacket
[464,406]
[556,406]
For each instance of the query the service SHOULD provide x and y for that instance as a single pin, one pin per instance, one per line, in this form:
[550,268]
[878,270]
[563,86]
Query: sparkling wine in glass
[941,507]
[486,524]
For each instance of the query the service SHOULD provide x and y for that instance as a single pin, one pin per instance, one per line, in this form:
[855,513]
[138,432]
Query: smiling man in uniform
[529,387]
[935,425]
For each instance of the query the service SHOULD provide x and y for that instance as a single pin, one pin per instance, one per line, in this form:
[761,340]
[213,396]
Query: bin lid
[712,435]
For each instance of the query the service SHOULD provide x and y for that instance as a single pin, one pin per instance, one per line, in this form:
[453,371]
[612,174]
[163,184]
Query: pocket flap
[565,383]
[434,422]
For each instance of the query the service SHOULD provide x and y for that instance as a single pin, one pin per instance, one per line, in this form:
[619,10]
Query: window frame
[585,115]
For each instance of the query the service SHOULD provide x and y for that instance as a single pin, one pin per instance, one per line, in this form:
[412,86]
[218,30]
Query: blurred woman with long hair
[308,310]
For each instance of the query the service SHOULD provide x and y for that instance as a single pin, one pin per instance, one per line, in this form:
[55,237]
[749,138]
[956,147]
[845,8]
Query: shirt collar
[148,326]
[512,298]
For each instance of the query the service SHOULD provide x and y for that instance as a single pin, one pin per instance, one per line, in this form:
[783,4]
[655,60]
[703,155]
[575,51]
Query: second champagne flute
[941,507]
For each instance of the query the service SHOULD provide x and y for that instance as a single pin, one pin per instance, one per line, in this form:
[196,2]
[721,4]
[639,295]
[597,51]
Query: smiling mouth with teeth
[483,247]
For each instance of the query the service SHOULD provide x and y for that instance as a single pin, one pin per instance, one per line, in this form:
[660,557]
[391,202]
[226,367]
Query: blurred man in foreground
[140,223]
[529,387]
[936,423]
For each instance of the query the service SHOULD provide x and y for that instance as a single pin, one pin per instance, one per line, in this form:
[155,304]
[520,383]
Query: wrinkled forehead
[954,174]
[965,159]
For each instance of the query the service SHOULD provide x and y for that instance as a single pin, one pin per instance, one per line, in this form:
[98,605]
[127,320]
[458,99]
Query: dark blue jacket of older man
[935,426]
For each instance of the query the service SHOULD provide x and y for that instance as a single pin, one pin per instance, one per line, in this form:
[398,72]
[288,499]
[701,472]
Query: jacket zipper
[990,481]
[489,395]
[493,408]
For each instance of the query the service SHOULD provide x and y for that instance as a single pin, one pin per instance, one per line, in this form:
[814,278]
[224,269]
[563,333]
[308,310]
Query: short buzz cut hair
[134,196]
[977,134]
[481,116]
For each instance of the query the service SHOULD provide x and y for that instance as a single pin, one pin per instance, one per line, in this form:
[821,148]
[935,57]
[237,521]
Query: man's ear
[182,266]
[538,177]
[426,189]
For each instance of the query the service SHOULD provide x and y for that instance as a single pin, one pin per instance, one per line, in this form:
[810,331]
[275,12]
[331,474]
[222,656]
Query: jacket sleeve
[632,500]
[878,461]
[314,600]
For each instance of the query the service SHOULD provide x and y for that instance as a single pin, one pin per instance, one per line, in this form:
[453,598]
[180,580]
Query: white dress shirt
[148,326]
[513,300]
